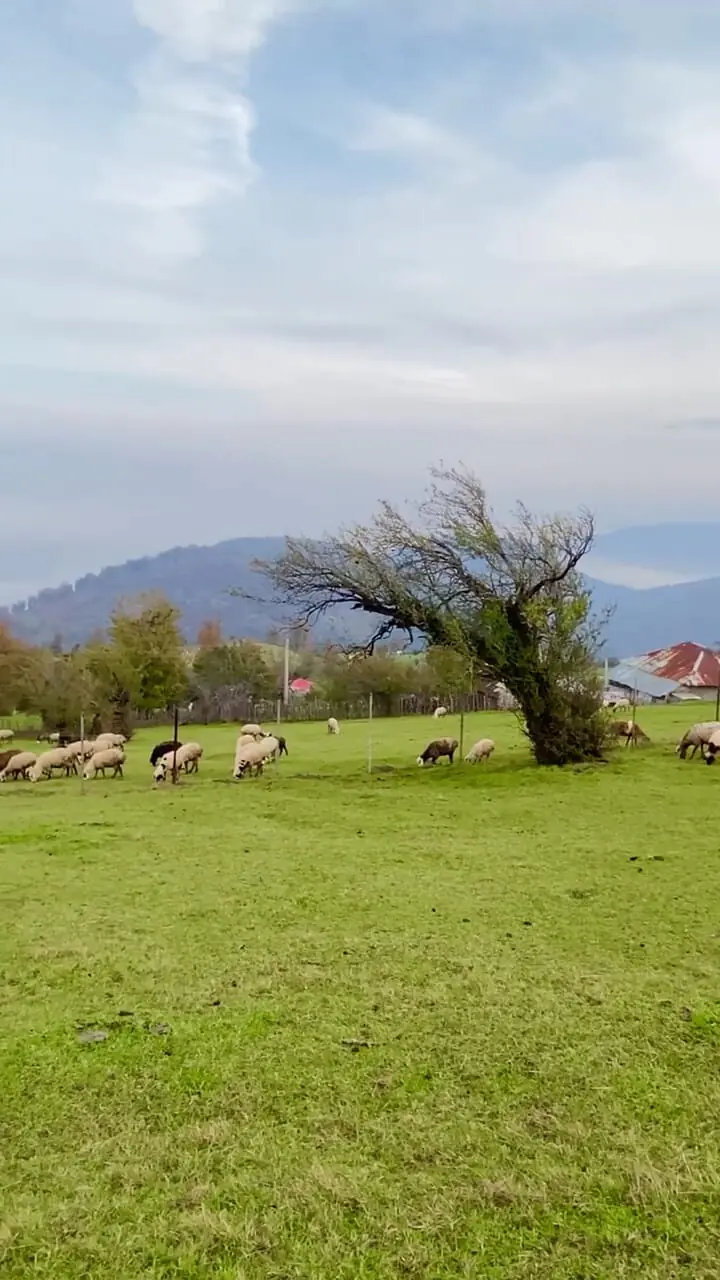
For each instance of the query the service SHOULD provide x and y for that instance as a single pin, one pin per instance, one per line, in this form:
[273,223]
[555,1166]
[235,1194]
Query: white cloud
[384,129]
[187,146]
[210,30]
[521,267]
[633,575]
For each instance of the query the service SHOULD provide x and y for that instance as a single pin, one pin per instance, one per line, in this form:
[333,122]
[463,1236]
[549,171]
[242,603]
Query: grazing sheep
[481,751]
[187,757]
[56,759]
[105,740]
[696,737]
[109,758]
[162,749]
[629,731]
[6,757]
[333,726]
[6,735]
[440,747]
[254,756]
[244,741]
[18,765]
[255,730]
[439,712]
[81,750]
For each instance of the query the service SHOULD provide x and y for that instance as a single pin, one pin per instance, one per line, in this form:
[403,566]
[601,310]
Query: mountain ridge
[200,580]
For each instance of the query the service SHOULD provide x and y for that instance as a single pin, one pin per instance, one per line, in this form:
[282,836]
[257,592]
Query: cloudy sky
[264,260]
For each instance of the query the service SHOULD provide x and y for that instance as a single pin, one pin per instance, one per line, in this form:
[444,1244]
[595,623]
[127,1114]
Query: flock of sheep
[255,748]
[703,737]
[107,751]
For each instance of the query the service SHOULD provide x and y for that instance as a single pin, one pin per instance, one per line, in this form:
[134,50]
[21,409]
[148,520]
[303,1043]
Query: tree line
[143,666]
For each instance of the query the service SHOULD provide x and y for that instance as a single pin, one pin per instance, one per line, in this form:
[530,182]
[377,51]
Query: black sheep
[162,749]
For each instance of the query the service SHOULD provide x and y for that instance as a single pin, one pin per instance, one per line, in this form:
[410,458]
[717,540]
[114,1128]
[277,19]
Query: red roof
[301,685]
[687,663]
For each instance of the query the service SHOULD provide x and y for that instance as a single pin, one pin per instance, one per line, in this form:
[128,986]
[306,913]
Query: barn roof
[634,677]
[687,663]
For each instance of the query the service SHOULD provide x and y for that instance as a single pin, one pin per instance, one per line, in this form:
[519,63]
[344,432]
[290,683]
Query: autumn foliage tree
[22,673]
[240,665]
[210,634]
[509,600]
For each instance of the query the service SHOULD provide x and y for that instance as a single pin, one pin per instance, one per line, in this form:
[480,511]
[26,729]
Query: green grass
[22,724]
[428,1024]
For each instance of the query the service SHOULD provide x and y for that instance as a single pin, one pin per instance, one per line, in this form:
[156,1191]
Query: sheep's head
[159,772]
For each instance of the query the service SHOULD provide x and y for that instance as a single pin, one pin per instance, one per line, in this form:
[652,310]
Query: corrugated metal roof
[631,677]
[689,664]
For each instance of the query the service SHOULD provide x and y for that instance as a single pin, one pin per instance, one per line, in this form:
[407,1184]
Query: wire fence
[226,706]
[233,706]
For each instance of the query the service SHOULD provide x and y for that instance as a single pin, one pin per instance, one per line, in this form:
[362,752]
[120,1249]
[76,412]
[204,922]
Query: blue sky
[263,261]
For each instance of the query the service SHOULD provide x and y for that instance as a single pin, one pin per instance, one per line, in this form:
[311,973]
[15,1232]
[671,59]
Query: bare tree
[509,599]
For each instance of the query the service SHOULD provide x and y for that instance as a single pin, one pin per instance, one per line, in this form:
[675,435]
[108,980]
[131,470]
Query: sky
[265,261]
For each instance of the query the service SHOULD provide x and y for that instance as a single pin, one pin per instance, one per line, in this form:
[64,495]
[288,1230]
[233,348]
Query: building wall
[707,695]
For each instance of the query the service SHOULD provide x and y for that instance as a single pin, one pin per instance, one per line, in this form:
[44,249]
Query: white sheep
[481,751]
[18,766]
[439,712]
[245,740]
[6,735]
[105,740]
[255,730]
[254,756]
[58,758]
[109,758]
[82,750]
[711,748]
[187,757]
[696,737]
[333,726]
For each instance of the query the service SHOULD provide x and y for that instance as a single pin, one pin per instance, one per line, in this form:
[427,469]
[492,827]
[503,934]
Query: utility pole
[286,677]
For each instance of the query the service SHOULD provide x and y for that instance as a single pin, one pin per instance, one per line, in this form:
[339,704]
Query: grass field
[425,1024]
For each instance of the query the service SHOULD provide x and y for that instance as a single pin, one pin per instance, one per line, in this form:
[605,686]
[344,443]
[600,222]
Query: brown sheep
[6,757]
[629,731]
[19,765]
[440,747]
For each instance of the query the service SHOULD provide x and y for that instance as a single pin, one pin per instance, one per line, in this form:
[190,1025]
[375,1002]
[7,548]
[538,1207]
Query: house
[301,686]
[695,669]
[636,684]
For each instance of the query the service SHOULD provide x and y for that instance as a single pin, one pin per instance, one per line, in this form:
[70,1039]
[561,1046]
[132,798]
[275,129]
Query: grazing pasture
[428,1024]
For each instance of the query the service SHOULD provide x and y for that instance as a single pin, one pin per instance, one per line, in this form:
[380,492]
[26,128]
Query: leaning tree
[510,599]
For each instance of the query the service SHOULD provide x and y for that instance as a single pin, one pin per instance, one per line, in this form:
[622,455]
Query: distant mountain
[199,579]
[659,617]
[669,551]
